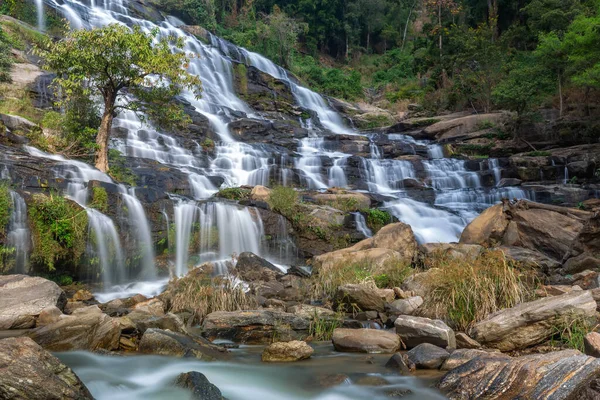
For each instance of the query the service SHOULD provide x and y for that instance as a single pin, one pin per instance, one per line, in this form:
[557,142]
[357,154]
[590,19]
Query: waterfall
[139,223]
[361,225]
[494,165]
[18,235]
[41,18]
[385,176]
[105,247]
[185,216]
[450,173]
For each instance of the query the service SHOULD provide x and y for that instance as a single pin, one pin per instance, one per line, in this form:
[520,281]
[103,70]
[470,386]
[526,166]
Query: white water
[105,248]
[361,225]
[145,247]
[41,17]
[18,236]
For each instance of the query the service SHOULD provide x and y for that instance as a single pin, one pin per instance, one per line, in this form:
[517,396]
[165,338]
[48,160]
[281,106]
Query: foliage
[322,326]
[376,218]
[6,60]
[283,200]
[234,193]
[99,199]
[463,292]
[571,331]
[118,170]
[5,208]
[59,229]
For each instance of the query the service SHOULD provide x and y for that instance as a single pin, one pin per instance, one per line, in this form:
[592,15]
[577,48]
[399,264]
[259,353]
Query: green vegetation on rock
[377,219]
[235,193]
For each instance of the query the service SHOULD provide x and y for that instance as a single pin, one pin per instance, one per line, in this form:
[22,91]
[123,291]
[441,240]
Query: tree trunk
[368,38]
[407,22]
[440,26]
[493,17]
[104,134]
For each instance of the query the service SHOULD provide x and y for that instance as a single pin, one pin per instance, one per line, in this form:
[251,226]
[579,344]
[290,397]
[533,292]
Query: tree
[551,55]
[115,62]
[582,44]
[283,32]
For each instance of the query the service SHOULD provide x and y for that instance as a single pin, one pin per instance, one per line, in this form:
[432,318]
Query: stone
[199,385]
[49,315]
[560,375]
[405,306]
[22,299]
[16,123]
[530,258]
[416,330]
[365,340]
[255,326]
[367,297]
[359,201]
[533,322]
[82,295]
[591,343]
[555,290]
[463,341]
[462,356]
[174,344]
[144,321]
[454,250]
[153,306]
[399,363]
[86,329]
[29,372]
[427,356]
[295,350]
[309,312]
[416,284]
[260,193]
[453,129]
[252,268]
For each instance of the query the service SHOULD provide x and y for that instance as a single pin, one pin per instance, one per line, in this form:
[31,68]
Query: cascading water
[361,225]
[185,216]
[41,17]
[18,237]
[104,248]
[139,223]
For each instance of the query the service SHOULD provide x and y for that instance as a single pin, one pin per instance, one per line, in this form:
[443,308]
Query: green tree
[582,44]
[114,61]
[551,55]
[282,31]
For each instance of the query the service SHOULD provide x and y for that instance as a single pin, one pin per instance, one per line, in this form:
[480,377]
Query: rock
[168,321]
[531,323]
[455,129]
[560,375]
[555,290]
[309,312]
[22,299]
[416,330]
[49,315]
[295,350]
[398,363]
[260,193]
[29,372]
[167,343]
[508,182]
[417,283]
[405,306]
[251,268]
[352,201]
[463,341]
[530,258]
[365,340]
[153,307]
[392,242]
[16,123]
[591,343]
[199,385]
[580,263]
[427,356]
[463,356]
[82,295]
[454,250]
[367,297]
[86,329]
[255,326]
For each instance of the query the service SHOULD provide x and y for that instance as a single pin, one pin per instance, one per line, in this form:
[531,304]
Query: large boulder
[199,385]
[295,350]
[365,340]
[395,241]
[561,375]
[427,356]
[255,326]
[86,329]
[455,250]
[22,299]
[310,312]
[252,268]
[449,130]
[463,356]
[174,344]
[367,297]
[531,323]
[405,306]
[416,330]
[29,372]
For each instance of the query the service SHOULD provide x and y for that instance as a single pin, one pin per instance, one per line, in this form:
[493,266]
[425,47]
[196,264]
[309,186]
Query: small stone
[405,306]
[199,385]
[126,343]
[399,363]
[592,344]
[417,330]
[463,341]
[82,295]
[427,356]
[295,350]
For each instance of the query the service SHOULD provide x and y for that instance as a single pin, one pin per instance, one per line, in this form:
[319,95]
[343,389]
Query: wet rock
[560,375]
[367,297]
[22,299]
[416,330]
[427,356]
[463,356]
[463,341]
[199,385]
[591,343]
[399,363]
[29,372]
[508,182]
[167,343]
[86,329]
[405,306]
[531,323]
[365,340]
[251,268]
[255,326]
[295,350]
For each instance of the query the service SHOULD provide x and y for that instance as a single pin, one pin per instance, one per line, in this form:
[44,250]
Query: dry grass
[463,292]
[202,294]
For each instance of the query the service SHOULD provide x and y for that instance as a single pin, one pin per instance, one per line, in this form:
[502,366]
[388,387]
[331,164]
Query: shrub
[570,332]
[322,326]
[377,219]
[6,59]
[235,193]
[99,199]
[283,200]
[464,292]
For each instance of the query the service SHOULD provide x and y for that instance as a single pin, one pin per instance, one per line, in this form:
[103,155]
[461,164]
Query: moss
[241,74]
[59,229]
[374,121]
[283,200]
[99,199]
[208,144]
[235,193]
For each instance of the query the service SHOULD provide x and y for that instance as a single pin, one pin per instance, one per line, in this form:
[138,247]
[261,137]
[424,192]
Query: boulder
[399,363]
[347,201]
[255,326]
[416,330]
[29,372]
[367,297]
[565,374]
[530,258]
[591,344]
[82,295]
[153,307]
[309,312]
[427,356]
[365,341]
[86,329]
[252,268]
[174,344]
[295,350]
[144,321]
[16,123]
[22,299]
[463,356]
[454,250]
[260,193]
[457,128]
[405,306]
[49,315]
[199,385]
[463,341]
[531,323]
[417,283]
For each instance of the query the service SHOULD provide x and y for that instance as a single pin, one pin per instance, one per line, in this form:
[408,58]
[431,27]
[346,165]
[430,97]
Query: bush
[235,193]
[99,199]
[283,200]
[570,332]
[463,292]
[377,219]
